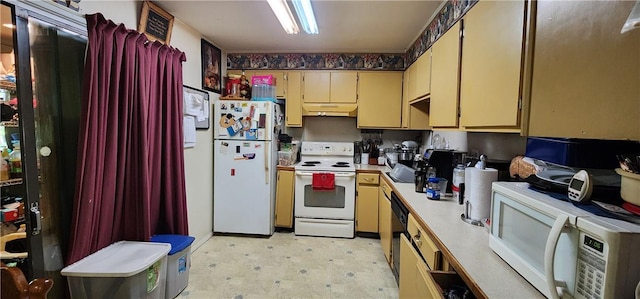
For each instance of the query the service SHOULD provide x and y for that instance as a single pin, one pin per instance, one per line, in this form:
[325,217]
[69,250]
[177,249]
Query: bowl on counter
[629,186]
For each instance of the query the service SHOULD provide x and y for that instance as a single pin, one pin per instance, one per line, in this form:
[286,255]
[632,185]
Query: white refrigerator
[245,159]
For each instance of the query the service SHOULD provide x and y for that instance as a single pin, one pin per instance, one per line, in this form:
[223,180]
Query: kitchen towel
[323,181]
[478,191]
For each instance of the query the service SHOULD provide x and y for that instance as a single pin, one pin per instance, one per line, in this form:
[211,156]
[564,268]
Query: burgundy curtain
[130,180]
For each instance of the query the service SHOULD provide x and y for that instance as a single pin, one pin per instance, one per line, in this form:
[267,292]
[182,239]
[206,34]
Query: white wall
[199,159]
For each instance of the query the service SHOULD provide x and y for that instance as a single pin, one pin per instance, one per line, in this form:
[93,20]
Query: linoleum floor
[289,266]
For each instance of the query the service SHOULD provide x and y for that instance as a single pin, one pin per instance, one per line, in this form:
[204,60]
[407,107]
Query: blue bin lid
[178,242]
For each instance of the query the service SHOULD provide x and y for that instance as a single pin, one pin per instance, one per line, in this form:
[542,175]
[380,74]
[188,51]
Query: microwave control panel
[590,276]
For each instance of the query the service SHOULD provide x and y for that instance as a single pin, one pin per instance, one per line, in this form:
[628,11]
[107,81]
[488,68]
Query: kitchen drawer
[427,248]
[368,178]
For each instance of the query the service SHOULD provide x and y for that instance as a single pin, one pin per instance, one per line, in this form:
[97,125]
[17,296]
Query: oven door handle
[339,174]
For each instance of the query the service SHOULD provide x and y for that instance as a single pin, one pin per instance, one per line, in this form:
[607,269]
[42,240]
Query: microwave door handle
[549,255]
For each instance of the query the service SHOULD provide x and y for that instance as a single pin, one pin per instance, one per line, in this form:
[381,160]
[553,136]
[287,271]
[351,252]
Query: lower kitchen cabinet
[419,264]
[284,198]
[384,219]
[367,203]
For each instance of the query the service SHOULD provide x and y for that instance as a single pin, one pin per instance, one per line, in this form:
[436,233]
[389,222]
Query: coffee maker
[444,161]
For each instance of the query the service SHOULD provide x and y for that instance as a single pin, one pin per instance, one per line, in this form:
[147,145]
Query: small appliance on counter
[407,154]
[444,161]
[569,252]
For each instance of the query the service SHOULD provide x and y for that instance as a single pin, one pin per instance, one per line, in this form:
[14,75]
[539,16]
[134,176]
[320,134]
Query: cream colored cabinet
[445,79]
[422,82]
[420,77]
[492,50]
[367,202]
[420,262]
[586,75]
[384,219]
[330,87]
[379,99]
[415,114]
[284,198]
[408,260]
[293,101]
[415,281]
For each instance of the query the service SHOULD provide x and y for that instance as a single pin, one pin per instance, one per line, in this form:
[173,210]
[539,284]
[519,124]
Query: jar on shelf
[15,162]
[5,169]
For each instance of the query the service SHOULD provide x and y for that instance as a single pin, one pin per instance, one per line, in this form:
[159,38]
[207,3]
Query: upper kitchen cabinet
[293,102]
[330,86]
[585,74]
[445,79]
[379,99]
[420,78]
[415,113]
[492,52]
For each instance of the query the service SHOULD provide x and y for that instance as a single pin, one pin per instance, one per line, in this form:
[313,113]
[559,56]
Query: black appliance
[399,218]
[444,161]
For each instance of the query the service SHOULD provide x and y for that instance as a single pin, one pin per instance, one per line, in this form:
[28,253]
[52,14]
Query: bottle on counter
[15,162]
[458,179]
[381,157]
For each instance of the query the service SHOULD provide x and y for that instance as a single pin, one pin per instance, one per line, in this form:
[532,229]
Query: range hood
[330,109]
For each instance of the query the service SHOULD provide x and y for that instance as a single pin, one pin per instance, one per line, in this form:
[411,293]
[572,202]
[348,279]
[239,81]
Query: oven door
[338,203]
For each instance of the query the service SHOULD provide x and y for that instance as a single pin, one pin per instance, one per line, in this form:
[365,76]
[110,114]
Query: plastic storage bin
[580,153]
[125,269]
[178,262]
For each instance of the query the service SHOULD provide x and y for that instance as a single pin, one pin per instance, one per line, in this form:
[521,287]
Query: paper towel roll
[478,191]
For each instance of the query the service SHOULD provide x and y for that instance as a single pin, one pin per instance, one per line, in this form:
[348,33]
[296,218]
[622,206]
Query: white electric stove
[328,211]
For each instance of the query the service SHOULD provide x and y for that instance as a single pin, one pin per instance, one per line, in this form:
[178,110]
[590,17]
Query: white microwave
[562,250]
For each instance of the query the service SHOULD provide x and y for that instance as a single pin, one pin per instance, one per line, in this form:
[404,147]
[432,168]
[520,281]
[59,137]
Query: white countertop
[467,243]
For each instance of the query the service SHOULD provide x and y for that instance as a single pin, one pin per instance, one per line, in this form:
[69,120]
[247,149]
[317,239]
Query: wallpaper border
[448,15]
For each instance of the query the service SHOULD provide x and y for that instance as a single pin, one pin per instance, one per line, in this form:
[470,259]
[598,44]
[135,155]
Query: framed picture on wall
[211,68]
[155,22]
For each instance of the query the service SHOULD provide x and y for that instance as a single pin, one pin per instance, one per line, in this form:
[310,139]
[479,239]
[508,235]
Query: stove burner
[308,164]
[340,165]
[311,162]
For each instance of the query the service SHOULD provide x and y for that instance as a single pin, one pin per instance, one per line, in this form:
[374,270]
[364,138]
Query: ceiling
[346,26]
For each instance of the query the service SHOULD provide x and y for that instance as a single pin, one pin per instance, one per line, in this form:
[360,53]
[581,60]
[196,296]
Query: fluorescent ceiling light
[306,16]
[284,15]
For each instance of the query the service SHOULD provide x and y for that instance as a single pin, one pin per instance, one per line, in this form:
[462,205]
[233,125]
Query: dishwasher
[399,217]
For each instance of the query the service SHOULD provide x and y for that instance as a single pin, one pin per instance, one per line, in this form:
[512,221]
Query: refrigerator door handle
[266,165]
